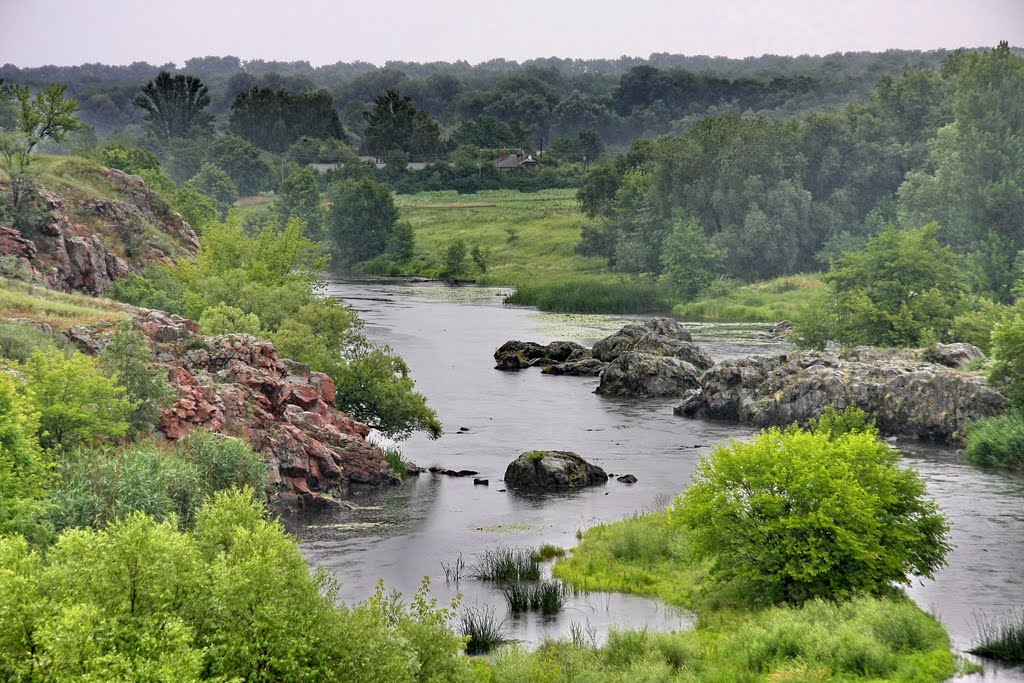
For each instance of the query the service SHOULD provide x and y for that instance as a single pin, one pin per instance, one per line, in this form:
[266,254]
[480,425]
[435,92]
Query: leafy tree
[904,289]
[242,162]
[690,261]
[1007,368]
[454,259]
[299,197]
[24,471]
[213,182]
[129,159]
[360,220]
[402,242]
[76,402]
[47,116]
[394,123]
[800,514]
[128,359]
[275,119]
[223,319]
[174,105]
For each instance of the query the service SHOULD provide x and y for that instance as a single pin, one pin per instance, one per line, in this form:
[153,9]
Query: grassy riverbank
[529,242]
[864,639]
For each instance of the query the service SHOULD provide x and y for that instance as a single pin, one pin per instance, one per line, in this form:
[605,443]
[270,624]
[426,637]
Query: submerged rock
[902,390]
[552,470]
[646,375]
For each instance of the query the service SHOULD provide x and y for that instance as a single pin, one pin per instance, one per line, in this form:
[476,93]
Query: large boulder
[902,390]
[647,375]
[552,471]
[516,355]
[612,346]
[661,345]
[586,367]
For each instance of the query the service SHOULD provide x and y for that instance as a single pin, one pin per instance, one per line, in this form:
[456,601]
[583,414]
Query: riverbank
[528,241]
[888,639]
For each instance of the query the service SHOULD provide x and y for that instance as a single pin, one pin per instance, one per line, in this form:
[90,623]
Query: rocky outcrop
[516,355]
[646,375]
[85,243]
[552,471]
[612,346]
[902,390]
[237,385]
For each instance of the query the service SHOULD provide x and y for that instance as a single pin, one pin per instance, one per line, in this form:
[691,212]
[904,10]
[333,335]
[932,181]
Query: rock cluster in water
[922,393]
[925,393]
[656,357]
[552,471]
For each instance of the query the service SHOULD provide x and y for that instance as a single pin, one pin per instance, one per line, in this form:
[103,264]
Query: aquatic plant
[484,630]
[453,571]
[548,552]
[1001,638]
[394,458]
[506,564]
[547,597]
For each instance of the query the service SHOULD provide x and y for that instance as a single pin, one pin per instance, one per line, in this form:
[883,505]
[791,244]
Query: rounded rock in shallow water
[552,471]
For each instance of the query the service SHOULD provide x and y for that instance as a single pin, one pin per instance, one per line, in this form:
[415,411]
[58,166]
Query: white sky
[36,32]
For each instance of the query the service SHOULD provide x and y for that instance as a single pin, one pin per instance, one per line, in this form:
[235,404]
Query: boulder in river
[587,367]
[552,470]
[661,345]
[612,346]
[647,375]
[516,355]
[902,390]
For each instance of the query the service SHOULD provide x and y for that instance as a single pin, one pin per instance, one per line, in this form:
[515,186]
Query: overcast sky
[36,32]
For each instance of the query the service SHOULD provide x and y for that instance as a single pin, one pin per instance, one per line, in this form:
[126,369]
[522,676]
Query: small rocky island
[552,471]
[923,393]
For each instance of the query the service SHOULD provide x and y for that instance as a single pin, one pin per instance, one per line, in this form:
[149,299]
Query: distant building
[513,161]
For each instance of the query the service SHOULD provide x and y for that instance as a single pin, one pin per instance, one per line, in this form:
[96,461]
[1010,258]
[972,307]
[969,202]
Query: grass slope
[58,310]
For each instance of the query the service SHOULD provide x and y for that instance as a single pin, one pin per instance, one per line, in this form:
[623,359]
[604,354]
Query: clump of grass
[484,630]
[534,456]
[1001,638]
[453,570]
[58,310]
[997,441]
[393,456]
[18,341]
[506,565]
[770,301]
[546,597]
[548,552]
[593,295]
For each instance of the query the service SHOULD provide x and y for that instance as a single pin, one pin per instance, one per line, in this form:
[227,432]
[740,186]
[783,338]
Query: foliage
[158,289]
[360,220]
[374,387]
[223,319]
[139,599]
[996,441]
[482,630]
[796,515]
[689,260]
[77,403]
[174,105]
[1007,366]
[904,289]
[50,115]
[213,182]
[394,123]
[274,119]
[299,197]
[18,341]
[25,477]
[402,242]
[454,260]
[131,160]
[128,360]
[242,162]
[769,301]
[617,294]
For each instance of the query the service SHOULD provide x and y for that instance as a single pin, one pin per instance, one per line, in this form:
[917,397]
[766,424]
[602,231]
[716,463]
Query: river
[448,336]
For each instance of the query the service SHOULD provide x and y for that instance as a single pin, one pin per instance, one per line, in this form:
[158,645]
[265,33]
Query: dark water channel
[447,336]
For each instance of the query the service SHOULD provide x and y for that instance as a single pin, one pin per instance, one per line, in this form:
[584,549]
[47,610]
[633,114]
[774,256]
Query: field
[529,242]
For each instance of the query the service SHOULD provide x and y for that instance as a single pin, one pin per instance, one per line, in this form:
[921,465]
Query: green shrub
[223,462]
[129,361]
[25,479]
[1007,368]
[18,341]
[796,514]
[997,441]
[223,319]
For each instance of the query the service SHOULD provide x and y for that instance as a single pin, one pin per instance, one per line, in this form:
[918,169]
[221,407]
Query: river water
[448,335]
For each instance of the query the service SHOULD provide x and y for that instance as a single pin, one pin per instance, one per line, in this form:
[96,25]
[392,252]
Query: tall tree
[174,104]
[361,219]
[395,124]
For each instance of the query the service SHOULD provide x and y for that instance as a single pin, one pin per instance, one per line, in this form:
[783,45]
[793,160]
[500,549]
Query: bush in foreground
[799,514]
